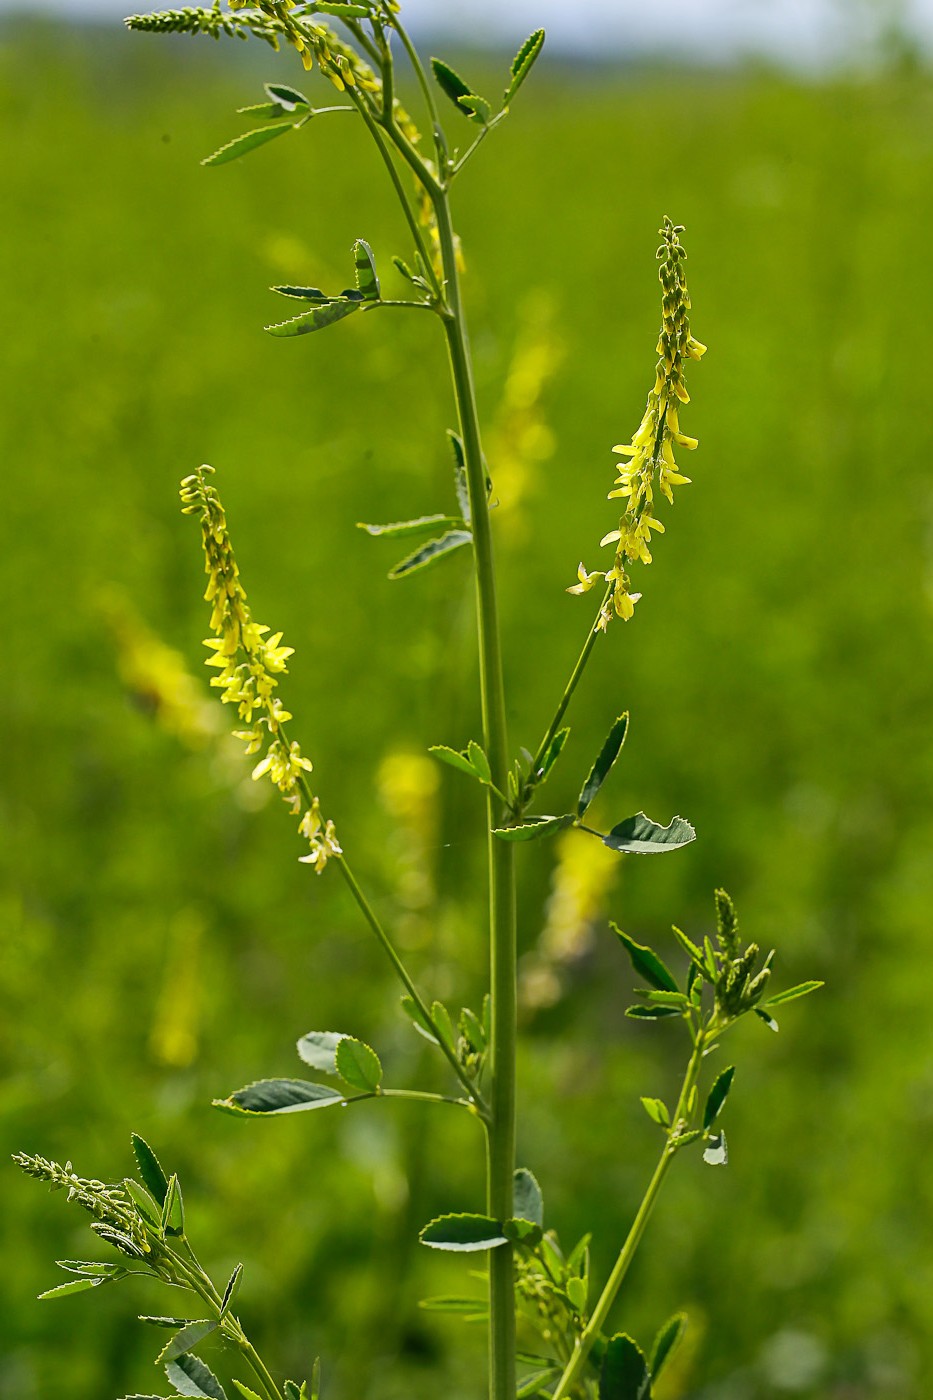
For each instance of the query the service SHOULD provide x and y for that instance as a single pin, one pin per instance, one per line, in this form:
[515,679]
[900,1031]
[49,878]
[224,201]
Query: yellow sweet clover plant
[579,1356]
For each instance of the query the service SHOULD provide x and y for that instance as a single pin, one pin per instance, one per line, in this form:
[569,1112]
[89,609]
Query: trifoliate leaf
[319,1048]
[528,1202]
[463,1233]
[639,835]
[316,319]
[358,1065]
[625,1374]
[646,962]
[249,141]
[150,1169]
[522,63]
[666,1342]
[279,1096]
[533,828]
[431,553]
[191,1376]
[717,1096]
[604,761]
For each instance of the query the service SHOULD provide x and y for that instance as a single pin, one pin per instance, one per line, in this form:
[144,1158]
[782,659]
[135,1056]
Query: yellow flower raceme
[336,60]
[248,664]
[651,451]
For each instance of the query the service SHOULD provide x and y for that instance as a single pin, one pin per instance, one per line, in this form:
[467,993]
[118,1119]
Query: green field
[161,944]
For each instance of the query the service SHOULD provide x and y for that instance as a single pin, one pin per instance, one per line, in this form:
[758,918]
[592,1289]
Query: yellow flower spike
[650,453]
[248,660]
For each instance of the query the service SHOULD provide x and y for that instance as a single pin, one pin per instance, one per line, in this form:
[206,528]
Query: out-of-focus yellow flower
[248,662]
[651,451]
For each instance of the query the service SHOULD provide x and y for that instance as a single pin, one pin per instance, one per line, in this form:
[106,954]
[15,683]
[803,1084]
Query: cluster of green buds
[651,450]
[551,1292]
[110,1206]
[739,988]
[249,663]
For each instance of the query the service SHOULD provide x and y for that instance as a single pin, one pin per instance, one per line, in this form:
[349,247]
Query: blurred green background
[161,944]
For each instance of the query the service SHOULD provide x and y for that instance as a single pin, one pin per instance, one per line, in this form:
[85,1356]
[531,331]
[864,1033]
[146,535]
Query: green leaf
[625,1372]
[74,1285]
[717,1151]
[524,1232]
[679,1000]
[173,1209]
[460,93]
[190,1376]
[528,1202]
[316,319]
[358,1065]
[533,828]
[473,1030]
[639,835]
[173,1323]
[689,947]
[231,1290]
[603,765]
[522,63]
[118,1239]
[319,1049]
[460,474]
[408,527]
[576,1292]
[646,962]
[460,761]
[367,279]
[432,552]
[473,1306]
[650,1013]
[551,754]
[245,1391]
[302,293]
[478,109]
[803,989]
[249,141]
[479,762]
[144,1203]
[578,1260]
[265,111]
[271,1096]
[463,1233]
[411,1009]
[534,1384]
[657,1112]
[316,1379]
[287,97]
[666,1342]
[150,1168]
[327,7]
[717,1096]
[768,1020]
[189,1336]
[444,1024]
[90,1268]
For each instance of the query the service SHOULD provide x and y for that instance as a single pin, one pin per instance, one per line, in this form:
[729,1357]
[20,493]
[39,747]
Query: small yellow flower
[650,454]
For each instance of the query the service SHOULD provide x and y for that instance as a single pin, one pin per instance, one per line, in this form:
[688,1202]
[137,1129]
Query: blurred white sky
[808,33]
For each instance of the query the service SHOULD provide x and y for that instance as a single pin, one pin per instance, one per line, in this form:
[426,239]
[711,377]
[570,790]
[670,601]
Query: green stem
[565,699]
[501,1129]
[427,92]
[200,1283]
[598,1317]
[372,919]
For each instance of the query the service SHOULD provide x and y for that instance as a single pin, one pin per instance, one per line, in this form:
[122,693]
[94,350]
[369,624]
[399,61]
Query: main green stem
[627,1253]
[501,1093]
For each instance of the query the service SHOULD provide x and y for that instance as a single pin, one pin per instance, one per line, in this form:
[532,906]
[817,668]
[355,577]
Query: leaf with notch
[409,527]
[625,1372]
[533,828]
[639,835]
[463,1233]
[249,141]
[150,1168]
[666,1342]
[190,1336]
[603,765]
[358,1065]
[319,1048]
[367,279]
[528,1203]
[646,963]
[316,319]
[191,1376]
[431,553]
[522,63]
[717,1096]
[270,1096]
